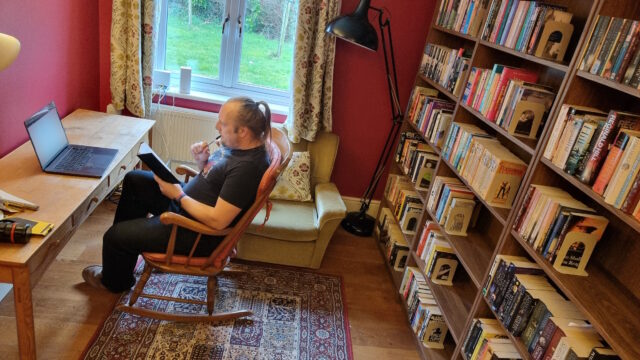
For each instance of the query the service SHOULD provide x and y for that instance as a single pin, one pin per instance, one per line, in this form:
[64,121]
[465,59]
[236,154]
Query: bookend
[443,271]
[554,40]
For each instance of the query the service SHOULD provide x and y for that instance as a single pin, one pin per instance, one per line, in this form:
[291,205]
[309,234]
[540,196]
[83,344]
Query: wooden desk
[64,200]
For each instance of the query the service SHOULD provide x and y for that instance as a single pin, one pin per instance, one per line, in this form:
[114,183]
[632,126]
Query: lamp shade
[9,49]
[355,27]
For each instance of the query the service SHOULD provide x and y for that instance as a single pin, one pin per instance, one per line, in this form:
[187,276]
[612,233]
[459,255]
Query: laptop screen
[47,134]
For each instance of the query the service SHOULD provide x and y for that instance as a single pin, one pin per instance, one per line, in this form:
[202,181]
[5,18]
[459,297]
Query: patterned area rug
[297,315]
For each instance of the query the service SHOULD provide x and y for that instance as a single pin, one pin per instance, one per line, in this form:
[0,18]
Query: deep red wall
[361,110]
[58,61]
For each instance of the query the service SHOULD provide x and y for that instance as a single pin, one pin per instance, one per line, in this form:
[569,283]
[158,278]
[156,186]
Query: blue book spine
[507,27]
[467,20]
[443,201]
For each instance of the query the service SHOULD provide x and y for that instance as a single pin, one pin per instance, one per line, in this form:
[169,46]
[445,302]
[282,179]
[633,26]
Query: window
[232,46]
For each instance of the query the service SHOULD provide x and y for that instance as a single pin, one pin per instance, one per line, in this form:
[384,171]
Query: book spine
[633,196]
[610,164]
[628,74]
[579,148]
[607,45]
[592,143]
[525,309]
[529,331]
[543,340]
[600,149]
[596,38]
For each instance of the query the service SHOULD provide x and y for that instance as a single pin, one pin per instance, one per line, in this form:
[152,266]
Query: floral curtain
[132,49]
[312,83]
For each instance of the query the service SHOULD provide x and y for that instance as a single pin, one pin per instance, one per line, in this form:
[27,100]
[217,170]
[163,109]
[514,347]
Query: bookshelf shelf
[629,220]
[473,252]
[609,307]
[455,33]
[610,84]
[433,146]
[455,301]
[407,237]
[548,63]
[421,193]
[528,145]
[439,87]
[396,276]
[500,213]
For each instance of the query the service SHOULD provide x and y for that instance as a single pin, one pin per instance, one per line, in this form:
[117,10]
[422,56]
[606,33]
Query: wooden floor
[68,312]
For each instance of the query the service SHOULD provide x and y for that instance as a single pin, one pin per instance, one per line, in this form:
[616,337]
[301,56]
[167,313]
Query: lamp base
[358,223]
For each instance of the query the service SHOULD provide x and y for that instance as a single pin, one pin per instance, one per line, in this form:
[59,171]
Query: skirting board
[353,204]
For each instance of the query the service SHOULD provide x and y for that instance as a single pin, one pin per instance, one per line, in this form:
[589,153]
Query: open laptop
[54,152]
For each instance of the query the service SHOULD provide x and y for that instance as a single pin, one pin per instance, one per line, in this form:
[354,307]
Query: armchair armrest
[329,204]
[170,218]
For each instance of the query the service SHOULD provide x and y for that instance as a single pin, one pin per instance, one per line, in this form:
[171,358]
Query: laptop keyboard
[74,159]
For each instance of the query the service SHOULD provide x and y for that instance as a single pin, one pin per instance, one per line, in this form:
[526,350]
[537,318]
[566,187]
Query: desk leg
[24,313]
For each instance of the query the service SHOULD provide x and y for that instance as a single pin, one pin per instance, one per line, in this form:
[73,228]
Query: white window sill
[218,99]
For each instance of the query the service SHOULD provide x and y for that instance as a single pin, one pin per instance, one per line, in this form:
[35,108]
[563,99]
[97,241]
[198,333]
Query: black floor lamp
[356,29]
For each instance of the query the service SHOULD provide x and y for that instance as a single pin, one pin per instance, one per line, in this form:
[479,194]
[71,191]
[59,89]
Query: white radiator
[177,128]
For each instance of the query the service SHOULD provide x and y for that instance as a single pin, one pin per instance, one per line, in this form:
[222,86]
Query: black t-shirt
[231,174]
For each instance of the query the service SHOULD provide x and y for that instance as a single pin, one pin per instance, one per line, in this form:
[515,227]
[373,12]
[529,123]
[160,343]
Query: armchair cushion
[289,220]
[294,182]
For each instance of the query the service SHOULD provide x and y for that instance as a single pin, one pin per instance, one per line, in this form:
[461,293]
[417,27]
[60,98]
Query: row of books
[613,52]
[526,26]
[404,202]
[440,259]
[562,229]
[463,16]
[424,313]
[430,115]
[601,150]
[488,167]
[393,240]
[510,98]
[487,341]
[446,66]
[417,159]
[529,307]
[452,204]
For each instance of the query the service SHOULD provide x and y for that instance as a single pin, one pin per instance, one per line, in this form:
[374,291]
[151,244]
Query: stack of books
[530,308]
[430,115]
[416,159]
[510,98]
[395,244]
[562,229]
[525,26]
[446,66]
[612,51]
[488,167]
[487,340]
[425,315]
[602,151]
[405,203]
[464,16]
[452,204]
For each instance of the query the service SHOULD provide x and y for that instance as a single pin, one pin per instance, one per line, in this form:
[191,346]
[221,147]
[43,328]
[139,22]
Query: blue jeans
[133,233]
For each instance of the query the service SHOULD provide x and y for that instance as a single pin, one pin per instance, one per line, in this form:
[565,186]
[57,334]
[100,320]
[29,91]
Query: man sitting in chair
[222,192]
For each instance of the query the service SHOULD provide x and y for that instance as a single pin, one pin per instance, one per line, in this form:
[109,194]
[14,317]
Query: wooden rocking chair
[215,263]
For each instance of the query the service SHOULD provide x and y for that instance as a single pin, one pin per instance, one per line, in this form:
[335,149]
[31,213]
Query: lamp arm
[396,111]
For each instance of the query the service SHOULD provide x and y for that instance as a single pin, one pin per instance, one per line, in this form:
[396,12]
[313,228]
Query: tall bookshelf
[609,296]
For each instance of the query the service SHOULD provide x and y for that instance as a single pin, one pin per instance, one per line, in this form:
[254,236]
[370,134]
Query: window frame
[227,83]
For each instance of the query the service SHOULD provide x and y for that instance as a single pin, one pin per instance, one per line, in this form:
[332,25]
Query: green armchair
[298,233]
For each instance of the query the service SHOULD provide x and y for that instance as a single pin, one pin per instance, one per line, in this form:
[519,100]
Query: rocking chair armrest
[170,218]
[186,170]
